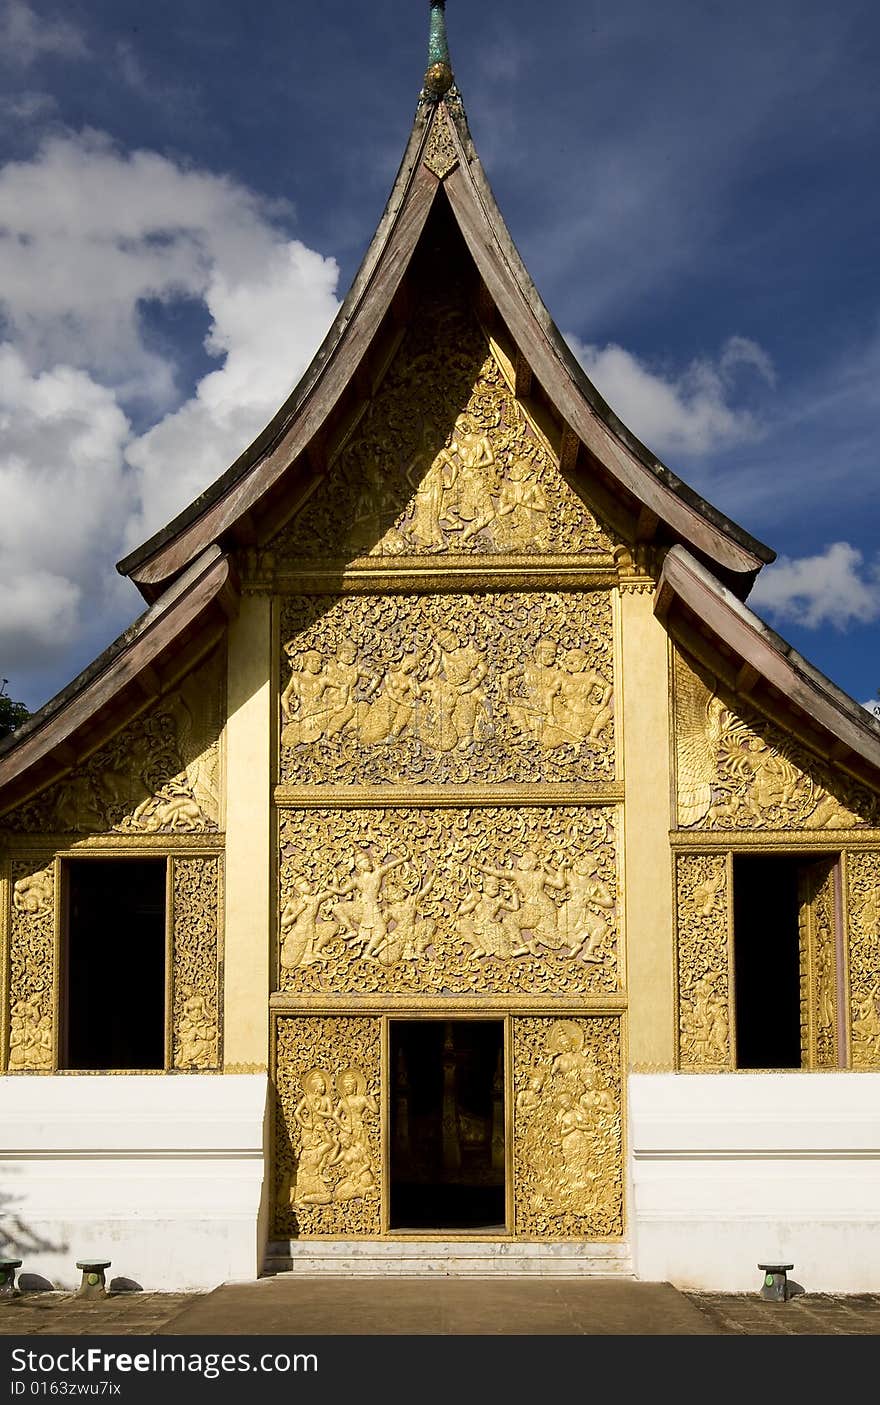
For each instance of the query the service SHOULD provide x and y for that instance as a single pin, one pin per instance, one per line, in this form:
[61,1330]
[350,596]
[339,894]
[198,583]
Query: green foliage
[12,714]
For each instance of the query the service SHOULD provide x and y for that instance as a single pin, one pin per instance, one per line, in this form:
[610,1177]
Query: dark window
[767,961]
[113,977]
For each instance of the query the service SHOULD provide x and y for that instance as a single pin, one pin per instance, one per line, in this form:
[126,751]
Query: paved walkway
[439,1307]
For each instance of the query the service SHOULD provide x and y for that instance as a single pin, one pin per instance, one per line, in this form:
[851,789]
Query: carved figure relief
[505,687]
[863,908]
[568,1166]
[492,900]
[328,1156]
[32,966]
[702,913]
[736,770]
[817,963]
[195,888]
[159,775]
[443,460]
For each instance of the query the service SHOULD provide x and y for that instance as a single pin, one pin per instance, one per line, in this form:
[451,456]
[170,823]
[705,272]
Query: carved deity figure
[35,892]
[456,713]
[522,518]
[353,1105]
[531,690]
[363,918]
[582,707]
[319,1144]
[197,1034]
[431,480]
[708,1025]
[470,508]
[30,1034]
[391,714]
[866,1024]
[412,933]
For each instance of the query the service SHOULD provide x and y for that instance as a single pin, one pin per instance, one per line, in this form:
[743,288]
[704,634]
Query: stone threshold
[432,1256]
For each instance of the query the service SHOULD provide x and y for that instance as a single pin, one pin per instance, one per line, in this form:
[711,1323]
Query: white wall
[729,1170]
[164,1176]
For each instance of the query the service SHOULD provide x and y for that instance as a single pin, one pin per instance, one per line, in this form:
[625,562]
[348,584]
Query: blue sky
[186,191]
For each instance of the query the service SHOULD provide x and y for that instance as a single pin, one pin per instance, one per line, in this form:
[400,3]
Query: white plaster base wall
[732,1170]
[164,1176]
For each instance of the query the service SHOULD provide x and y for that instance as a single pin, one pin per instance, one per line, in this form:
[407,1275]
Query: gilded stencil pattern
[160,775]
[489,901]
[195,972]
[443,460]
[863,905]
[32,965]
[506,687]
[736,770]
[327,1127]
[568,1158]
[702,914]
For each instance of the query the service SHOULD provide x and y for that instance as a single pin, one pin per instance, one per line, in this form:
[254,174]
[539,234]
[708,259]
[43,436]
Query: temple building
[448,872]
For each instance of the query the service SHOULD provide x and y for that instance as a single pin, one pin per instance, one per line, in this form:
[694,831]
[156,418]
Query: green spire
[438,79]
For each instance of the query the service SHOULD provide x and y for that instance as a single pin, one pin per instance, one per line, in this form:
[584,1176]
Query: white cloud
[834,587]
[688,413]
[87,232]
[26,35]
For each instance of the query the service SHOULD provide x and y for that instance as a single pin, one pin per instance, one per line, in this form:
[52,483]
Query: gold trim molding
[464,797]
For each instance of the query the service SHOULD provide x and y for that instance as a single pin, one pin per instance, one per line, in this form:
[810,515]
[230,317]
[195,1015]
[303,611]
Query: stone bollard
[93,1282]
[7,1276]
[773,1289]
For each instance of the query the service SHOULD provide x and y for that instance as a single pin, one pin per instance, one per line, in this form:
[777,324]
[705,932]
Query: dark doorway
[114,966]
[447,1125]
[767,961]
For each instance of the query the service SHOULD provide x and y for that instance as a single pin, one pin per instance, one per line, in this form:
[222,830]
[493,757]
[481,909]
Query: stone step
[435,1257]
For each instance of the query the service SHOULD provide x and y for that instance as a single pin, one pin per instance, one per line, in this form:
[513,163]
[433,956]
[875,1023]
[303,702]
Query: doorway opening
[447,1125]
[766,942]
[114,964]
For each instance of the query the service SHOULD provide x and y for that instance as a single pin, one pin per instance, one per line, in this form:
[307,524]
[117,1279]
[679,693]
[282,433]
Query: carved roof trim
[640,476]
[125,670]
[689,597]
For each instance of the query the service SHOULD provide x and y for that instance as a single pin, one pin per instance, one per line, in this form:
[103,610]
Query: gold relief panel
[568,1140]
[863,913]
[31,998]
[480,901]
[195,973]
[817,930]
[736,770]
[328,1148]
[159,775]
[702,924]
[443,459]
[448,689]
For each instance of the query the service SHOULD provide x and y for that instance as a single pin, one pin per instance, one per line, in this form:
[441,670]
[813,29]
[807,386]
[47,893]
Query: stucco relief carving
[863,908]
[568,1166]
[195,969]
[32,965]
[443,460]
[463,901]
[328,1149]
[702,915]
[437,688]
[159,775]
[736,770]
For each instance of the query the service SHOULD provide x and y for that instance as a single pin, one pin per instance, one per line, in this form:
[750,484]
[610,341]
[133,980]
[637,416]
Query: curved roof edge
[629,463]
[851,732]
[153,637]
[270,437]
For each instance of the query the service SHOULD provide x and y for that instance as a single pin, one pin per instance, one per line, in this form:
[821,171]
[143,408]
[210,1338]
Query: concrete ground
[294,1306]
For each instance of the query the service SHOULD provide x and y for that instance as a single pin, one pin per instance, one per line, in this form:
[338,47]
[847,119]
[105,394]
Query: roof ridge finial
[438,79]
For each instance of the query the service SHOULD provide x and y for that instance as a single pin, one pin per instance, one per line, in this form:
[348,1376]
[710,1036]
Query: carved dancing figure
[412,933]
[582,707]
[485,930]
[522,508]
[362,919]
[392,712]
[197,1034]
[303,935]
[430,485]
[537,913]
[586,927]
[302,702]
[866,1020]
[343,674]
[530,693]
[353,1105]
